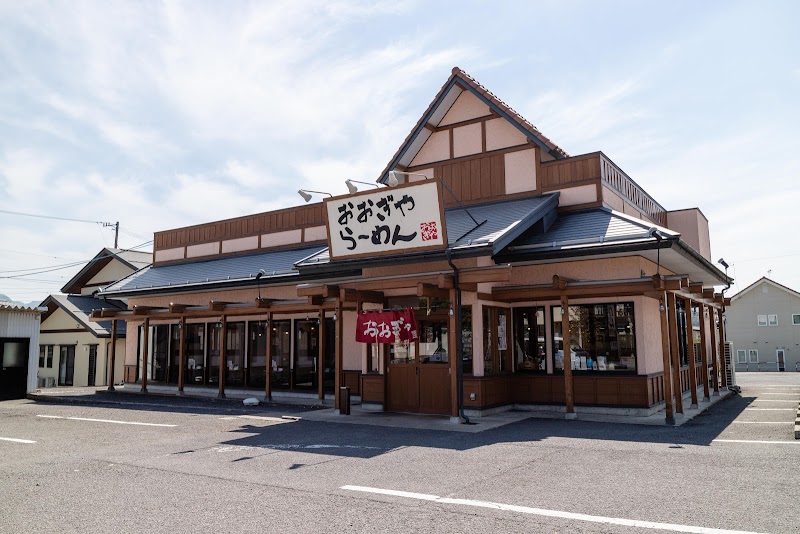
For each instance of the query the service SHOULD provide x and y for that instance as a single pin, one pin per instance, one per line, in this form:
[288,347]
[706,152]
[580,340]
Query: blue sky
[161,115]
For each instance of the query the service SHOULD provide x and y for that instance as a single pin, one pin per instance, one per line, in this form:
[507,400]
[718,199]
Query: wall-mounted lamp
[723,263]
[661,305]
[306,193]
[393,179]
[261,272]
[334,316]
[353,189]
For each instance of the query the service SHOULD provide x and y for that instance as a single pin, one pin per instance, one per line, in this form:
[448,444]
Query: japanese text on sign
[386,220]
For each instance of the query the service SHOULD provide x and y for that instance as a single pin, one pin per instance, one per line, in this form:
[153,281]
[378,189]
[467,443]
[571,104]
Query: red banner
[386,326]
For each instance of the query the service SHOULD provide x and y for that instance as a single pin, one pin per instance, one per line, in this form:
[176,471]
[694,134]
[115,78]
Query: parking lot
[188,466]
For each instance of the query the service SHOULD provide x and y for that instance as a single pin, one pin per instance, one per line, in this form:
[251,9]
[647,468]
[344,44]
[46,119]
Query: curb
[797,424]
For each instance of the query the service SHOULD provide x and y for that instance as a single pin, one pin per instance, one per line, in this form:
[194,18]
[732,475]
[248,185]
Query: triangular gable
[462,99]
[758,282]
[131,259]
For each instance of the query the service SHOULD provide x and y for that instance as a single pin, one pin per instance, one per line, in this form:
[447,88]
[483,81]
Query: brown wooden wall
[352,380]
[372,388]
[473,179]
[260,223]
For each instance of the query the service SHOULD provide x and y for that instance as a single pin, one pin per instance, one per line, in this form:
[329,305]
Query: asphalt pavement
[181,465]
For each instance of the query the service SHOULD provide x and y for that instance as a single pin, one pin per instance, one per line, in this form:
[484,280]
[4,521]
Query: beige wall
[112,272]
[436,148]
[693,227]
[467,140]
[583,194]
[466,107]
[520,171]
[502,134]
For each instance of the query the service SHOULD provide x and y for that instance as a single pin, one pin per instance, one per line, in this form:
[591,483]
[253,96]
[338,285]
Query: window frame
[796,319]
[518,356]
[750,354]
[741,356]
[770,317]
[759,322]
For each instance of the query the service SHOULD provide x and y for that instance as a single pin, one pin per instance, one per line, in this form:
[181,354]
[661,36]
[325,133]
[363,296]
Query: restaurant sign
[386,221]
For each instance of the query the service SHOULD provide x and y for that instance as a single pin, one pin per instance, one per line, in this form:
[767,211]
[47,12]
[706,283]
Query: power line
[52,217]
[40,270]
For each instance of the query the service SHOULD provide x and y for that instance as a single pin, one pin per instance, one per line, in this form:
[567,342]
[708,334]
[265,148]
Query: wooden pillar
[338,319]
[703,350]
[690,348]
[223,356]
[714,347]
[565,339]
[145,342]
[321,356]
[268,377]
[182,355]
[665,353]
[113,354]
[672,317]
[453,329]
[723,362]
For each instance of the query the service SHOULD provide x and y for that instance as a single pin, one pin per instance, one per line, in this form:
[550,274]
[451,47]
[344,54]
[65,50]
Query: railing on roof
[591,168]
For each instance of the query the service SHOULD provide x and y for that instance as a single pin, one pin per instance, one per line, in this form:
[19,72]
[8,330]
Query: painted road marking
[255,417]
[776,400]
[772,409]
[17,440]
[105,421]
[547,513]
[764,422]
[755,441]
[784,394]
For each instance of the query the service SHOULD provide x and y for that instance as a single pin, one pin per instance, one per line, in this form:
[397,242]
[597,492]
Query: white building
[19,345]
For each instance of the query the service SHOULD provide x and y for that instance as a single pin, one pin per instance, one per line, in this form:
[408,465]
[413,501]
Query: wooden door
[403,378]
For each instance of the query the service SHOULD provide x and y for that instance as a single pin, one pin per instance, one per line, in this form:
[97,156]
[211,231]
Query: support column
[223,356]
[704,350]
[338,322]
[113,354]
[690,348]
[321,356]
[182,355]
[672,317]
[714,349]
[723,362]
[665,353]
[565,339]
[268,377]
[145,342]
[453,329]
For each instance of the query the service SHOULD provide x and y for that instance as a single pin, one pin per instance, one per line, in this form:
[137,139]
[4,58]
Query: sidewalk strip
[547,513]
[17,440]
[106,421]
[755,441]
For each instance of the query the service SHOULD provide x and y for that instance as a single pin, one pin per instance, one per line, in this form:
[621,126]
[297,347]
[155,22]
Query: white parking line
[548,513]
[755,441]
[776,400]
[17,440]
[764,422]
[105,421]
[784,394]
[772,409]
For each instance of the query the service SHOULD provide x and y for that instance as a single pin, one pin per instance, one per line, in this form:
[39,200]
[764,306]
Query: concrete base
[570,415]
[371,407]
[693,406]
[455,420]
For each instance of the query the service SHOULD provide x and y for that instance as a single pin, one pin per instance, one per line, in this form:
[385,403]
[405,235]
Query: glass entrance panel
[195,361]
[403,353]
[234,355]
[329,372]
[529,339]
[433,347]
[306,354]
[257,355]
[158,369]
[66,365]
[281,354]
[212,352]
[174,353]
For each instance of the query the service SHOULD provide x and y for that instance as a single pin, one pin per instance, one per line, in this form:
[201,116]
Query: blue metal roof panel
[278,263]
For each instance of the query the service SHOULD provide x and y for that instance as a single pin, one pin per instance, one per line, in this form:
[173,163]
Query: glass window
[306,354]
[66,365]
[762,320]
[403,352]
[796,318]
[214,332]
[373,357]
[495,340]
[42,351]
[49,358]
[195,361]
[753,356]
[773,320]
[741,356]
[234,355]
[466,338]
[160,353]
[257,355]
[174,353]
[433,341]
[529,339]
[281,353]
[683,345]
[602,337]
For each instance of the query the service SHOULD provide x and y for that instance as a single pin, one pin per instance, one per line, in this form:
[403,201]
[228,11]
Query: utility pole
[116,235]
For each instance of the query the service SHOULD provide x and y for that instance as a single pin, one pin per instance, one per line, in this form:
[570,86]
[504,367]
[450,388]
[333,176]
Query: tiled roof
[215,272]
[80,307]
[19,308]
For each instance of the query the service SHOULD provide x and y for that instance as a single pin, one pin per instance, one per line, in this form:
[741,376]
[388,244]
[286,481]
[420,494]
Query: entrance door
[781,359]
[306,354]
[13,368]
[66,365]
[419,372]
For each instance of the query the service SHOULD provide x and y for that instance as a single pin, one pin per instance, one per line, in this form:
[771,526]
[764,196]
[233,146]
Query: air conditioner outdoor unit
[50,382]
[40,382]
[730,367]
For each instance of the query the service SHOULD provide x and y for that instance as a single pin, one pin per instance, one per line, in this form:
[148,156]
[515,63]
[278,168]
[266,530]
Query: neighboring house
[74,351]
[763,324]
[19,342]
[576,286]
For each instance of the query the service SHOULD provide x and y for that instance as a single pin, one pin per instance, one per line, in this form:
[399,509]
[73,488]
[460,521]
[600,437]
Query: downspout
[459,340]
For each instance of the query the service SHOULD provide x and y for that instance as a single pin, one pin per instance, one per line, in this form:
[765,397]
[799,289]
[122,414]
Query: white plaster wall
[315,233]
[275,239]
[112,272]
[169,254]
[502,134]
[520,171]
[693,227]
[436,148]
[612,200]
[205,249]
[240,244]
[466,107]
[467,140]
[583,194]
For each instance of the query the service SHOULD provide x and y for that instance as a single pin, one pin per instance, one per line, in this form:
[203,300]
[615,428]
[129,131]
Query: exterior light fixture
[661,305]
[723,263]
[306,194]
[353,189]
[393,179]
